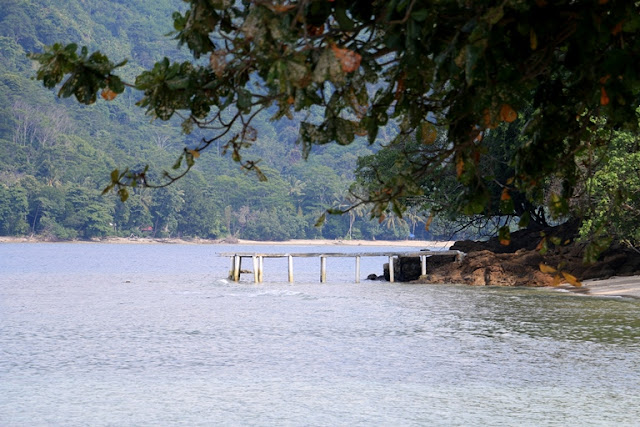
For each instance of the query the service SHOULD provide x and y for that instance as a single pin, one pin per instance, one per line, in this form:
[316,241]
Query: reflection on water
[124,335]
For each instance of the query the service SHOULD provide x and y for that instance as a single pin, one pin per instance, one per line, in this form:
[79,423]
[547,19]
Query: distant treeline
[56,156]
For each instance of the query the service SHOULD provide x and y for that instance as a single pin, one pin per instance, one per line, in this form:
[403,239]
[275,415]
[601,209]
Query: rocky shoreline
[518,264]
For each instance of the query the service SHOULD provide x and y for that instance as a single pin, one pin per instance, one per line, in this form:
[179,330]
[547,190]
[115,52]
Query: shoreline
[613,287]
[197,241]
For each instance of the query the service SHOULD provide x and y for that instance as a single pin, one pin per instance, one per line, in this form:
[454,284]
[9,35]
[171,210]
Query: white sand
[299,242]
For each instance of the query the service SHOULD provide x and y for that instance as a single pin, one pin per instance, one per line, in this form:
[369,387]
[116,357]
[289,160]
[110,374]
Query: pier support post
[357,268]
[290,269]
[237,264]
[260,269]
[423,265]
[391,278]
[323,269]
[255,269]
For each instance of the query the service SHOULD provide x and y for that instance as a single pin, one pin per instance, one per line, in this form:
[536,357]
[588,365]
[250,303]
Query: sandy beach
[625,286]
[198,241]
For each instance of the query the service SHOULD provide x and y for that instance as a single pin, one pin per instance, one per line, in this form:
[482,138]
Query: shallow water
[96,334]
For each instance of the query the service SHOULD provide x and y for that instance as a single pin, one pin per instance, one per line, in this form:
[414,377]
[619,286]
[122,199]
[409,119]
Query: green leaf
[244,100]
[178,162]
[504,235]
[344,22]
[123,193]
[178,83]
[595,248]
[473,52]
[525,219]
[494,15]
[321,220]
[115,84]
[420,15]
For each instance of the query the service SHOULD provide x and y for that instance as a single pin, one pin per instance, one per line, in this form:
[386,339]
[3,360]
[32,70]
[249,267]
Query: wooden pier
[257,260]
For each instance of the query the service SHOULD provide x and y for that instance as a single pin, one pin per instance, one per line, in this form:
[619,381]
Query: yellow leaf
[194,153]
[573,280]
[427,225]
[428,132]
[533,39]
[557,279]
[547,269]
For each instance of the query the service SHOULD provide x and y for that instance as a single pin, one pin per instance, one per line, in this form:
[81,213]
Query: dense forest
[56,156]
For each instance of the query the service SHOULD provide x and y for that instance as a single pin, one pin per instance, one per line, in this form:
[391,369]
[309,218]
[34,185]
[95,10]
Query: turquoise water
[97,334]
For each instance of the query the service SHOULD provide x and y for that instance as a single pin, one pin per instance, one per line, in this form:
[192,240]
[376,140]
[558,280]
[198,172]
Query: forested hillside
[56,156]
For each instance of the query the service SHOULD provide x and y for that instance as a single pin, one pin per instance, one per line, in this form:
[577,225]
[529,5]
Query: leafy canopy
[466,66]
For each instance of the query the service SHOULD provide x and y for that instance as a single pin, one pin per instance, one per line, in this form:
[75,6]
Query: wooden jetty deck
[258,261]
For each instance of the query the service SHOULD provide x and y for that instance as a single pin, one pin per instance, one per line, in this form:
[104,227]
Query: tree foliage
[612,194]
[350,69]
[467,66]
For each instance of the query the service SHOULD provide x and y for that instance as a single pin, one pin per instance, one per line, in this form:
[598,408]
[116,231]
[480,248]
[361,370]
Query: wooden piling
[260,269]
[290,269]
[323,269]
[391,278]
[423,265]
[237,264]
[255,269]
[357,268]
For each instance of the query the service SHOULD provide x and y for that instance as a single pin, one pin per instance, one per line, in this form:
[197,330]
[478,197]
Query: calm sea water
[96,334]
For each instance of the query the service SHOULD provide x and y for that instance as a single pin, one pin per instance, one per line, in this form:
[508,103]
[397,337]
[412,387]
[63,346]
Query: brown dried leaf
[108,94]
[280,8]
[508,114]
[604,98]
[349,60]
[218,62]
[459,166]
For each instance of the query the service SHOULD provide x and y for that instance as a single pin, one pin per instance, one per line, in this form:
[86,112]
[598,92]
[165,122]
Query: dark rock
[405,269]
[528,239]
